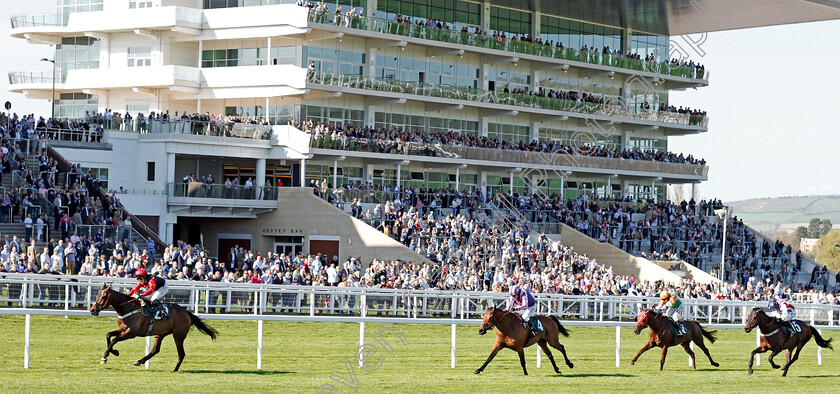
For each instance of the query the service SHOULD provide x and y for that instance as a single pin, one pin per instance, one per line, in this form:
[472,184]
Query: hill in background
[786,213]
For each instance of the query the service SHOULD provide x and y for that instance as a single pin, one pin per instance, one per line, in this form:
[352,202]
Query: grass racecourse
[301,357]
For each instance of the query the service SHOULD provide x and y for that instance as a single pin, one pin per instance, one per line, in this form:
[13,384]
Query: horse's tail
[710,335]
[820,341]
[560,328]
[196,321]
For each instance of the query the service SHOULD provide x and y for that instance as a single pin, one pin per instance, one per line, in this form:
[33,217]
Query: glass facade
[509,132]
[649,144]
[335,60]
[74,105]
[76,53]
[462,13]
[67,7]
[333,116]
[574,34]
[647,44]
[280,114]
[509,21]
[331,4]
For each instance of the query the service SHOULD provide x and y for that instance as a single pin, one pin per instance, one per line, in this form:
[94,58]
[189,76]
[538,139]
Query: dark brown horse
[513,335]
[774,340]
[661,336]
[135,324]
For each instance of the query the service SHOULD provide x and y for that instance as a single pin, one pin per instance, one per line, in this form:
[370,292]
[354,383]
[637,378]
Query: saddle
[534,326]
[790,327]
[677,327]
[156,313]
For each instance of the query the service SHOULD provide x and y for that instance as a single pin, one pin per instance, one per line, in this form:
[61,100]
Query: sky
[772,100]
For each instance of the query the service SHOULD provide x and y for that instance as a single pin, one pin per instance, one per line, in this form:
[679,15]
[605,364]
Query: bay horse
[774,340]
[134,324]
[513,335]
[661,336]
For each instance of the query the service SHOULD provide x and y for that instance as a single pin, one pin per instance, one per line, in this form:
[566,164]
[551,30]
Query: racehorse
[661,335]
[513,335]
[135,324]
[774,340]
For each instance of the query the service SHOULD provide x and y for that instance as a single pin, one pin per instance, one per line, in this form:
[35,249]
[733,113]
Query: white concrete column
[399,173]
[260,173]
[510,185]
[457,179]
[200,54]
[267,109]
[303,173]
[198,106]
[370,8]
[169,236]
[562,188]
[653,190]
[485,15]
[268,54]
[335,174]
[170,168]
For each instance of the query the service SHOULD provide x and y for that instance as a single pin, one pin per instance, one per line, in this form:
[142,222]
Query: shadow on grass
[814,376]
[591,375]
[237,372]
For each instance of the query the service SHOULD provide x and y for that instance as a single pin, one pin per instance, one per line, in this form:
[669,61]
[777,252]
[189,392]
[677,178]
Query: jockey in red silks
[149,285]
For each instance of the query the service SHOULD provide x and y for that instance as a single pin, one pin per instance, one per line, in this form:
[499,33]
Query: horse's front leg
[496,348]
[108,346]
[642,350]
[662,361]
[119,337]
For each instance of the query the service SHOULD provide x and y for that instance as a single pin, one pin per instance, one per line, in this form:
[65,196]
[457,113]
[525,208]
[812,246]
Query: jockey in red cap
[151,285]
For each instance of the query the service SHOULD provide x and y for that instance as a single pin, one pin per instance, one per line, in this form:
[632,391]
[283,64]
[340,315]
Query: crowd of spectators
[384,139]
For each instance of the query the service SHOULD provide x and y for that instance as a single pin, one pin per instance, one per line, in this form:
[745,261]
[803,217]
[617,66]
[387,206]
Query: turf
[301,357]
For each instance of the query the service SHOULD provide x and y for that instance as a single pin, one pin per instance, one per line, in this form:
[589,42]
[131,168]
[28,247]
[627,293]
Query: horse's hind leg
[555,343]
[702,346]
[522,360]
[792,360]
[155,350]
[690,352]
[543,344]
[179,344]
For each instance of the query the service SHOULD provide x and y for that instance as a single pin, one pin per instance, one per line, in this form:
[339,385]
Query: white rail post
[539,357]
[312,303]
[617,346]
[148,349]
[452,353]
[819,351]
[362,327]
[259,343]
[757,343]
[66,299]
[26,341]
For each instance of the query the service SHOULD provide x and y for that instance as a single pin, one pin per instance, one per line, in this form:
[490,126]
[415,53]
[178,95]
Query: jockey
[672,305]
[152,284]
[783,311]
[522,303]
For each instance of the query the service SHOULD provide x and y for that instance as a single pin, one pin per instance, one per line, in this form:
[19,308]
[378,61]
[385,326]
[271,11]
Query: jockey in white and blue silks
[521,301]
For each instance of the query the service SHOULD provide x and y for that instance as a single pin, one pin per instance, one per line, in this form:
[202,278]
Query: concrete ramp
[622,262]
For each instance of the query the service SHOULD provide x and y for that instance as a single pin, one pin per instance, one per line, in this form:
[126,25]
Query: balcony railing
[21,77]
[512,156]
[221,191]
[36,20]
[520,100]
[188,126]
[454,36]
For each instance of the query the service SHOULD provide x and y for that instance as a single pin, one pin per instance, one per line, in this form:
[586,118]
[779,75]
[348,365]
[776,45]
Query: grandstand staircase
[622,262]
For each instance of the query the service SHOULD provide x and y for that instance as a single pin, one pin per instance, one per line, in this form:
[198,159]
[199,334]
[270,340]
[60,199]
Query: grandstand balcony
[117,18]
[494,103]
[675,77]
[219,200]
[183,83]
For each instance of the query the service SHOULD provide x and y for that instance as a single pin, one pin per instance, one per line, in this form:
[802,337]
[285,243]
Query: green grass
[300,357]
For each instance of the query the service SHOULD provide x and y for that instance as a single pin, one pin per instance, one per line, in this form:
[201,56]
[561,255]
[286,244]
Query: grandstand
[464,131]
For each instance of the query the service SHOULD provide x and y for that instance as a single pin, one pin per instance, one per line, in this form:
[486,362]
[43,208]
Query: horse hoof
[715,364]
[115,352]
[749,372]
[572,365]
[103,361]
[137,363]
[777,366]
[632,363]
[477,371]
[558,371]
